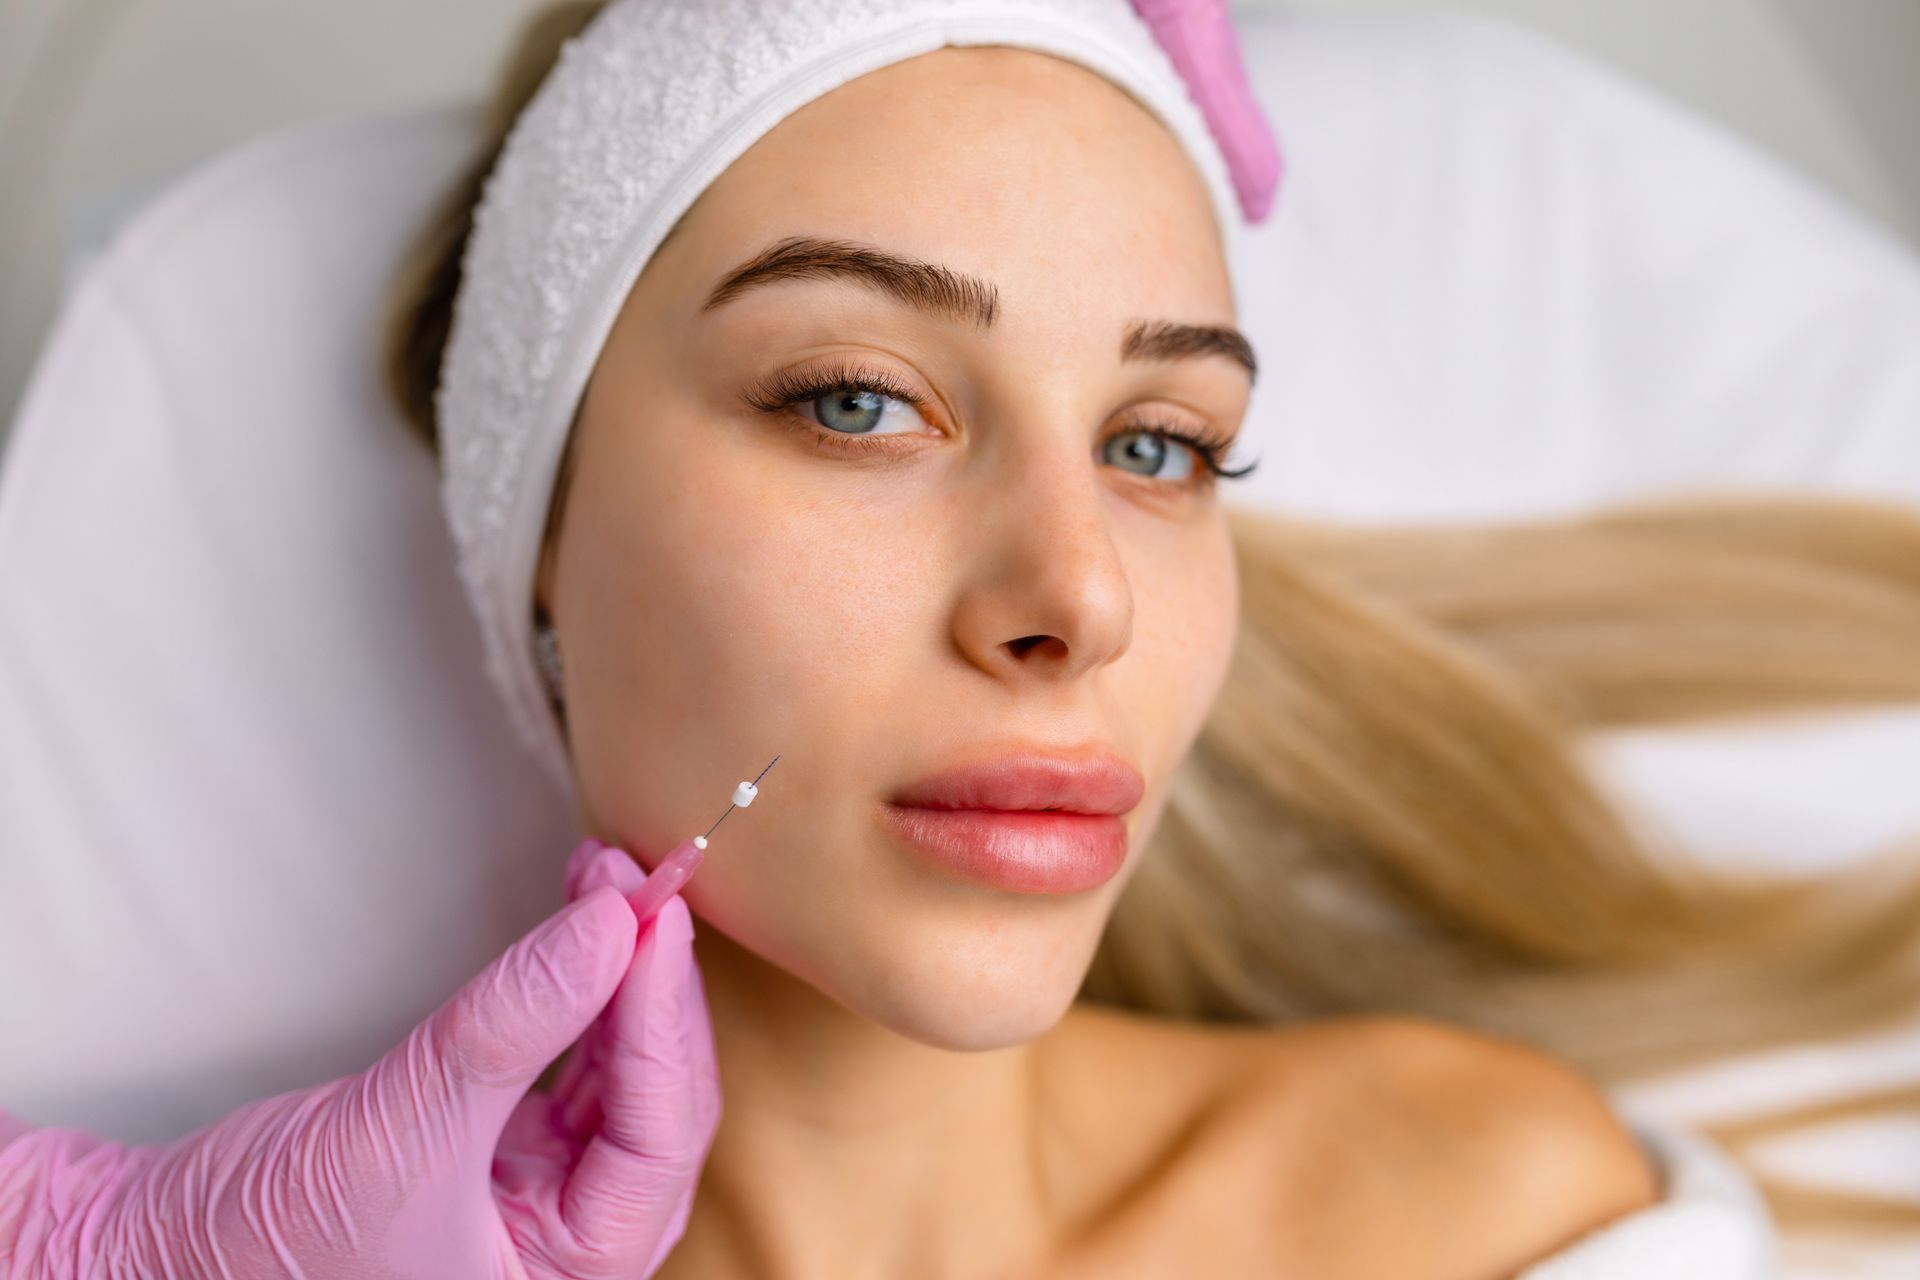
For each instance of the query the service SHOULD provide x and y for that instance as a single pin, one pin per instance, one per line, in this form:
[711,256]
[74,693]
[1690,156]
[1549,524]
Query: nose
[1047,596]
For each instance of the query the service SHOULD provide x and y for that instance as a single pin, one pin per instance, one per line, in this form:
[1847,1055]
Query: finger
[535,1150]
[458,1075]
[575,1084]
[607,865]
[578,1091]
[583,854]
[659,1099]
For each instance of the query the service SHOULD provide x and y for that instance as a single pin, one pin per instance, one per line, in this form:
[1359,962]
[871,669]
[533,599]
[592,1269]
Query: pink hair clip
[1198,36]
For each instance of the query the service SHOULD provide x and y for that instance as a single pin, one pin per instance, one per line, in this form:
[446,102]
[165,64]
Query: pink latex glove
[1199,38]
[437,1161]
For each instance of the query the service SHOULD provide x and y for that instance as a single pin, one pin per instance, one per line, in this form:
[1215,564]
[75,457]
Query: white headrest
[1503,280]
[261,809]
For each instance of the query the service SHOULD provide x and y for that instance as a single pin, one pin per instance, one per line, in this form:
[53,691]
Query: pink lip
[1023,852]
[1100,783]
[1029,823]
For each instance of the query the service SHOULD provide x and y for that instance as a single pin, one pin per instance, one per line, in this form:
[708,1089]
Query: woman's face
[874,591]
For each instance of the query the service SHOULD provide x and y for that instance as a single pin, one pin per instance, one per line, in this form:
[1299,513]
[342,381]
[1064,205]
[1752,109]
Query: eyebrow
[959,298]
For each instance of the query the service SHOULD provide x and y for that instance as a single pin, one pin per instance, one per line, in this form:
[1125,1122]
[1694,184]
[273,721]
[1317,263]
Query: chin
[970,1028]
[988,990]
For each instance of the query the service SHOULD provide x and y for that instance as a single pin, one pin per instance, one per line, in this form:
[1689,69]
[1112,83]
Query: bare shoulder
[1487,1152]
[1523,1110]
[1358,1147]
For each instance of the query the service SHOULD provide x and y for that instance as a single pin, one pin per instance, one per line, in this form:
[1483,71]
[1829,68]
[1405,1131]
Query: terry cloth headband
[644,108]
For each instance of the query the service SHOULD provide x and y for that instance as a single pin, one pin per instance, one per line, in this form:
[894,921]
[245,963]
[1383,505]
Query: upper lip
[1097,782]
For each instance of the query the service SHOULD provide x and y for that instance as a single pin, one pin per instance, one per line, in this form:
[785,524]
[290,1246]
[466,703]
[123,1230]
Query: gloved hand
[436,1161]
[1198,36]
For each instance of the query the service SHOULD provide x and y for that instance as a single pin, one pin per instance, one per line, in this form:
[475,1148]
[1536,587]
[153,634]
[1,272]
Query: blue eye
[1150,441]
[853,402]
[854,410]
[1148,447]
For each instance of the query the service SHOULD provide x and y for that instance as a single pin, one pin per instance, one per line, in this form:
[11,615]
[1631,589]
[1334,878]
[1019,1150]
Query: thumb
[630,1194]
[458,1075]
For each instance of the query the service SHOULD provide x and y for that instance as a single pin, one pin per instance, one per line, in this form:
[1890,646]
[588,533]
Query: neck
[847,1150]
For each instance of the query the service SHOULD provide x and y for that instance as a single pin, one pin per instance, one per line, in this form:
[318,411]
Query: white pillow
[1503,280]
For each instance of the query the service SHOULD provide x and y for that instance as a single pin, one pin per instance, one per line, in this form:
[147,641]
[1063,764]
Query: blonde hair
[1385,812]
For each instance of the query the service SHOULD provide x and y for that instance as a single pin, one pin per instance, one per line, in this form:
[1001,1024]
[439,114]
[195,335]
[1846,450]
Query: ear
[556,514]
[548,566]
[543,579]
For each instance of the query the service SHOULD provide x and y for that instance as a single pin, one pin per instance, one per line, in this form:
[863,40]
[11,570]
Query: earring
[546,649]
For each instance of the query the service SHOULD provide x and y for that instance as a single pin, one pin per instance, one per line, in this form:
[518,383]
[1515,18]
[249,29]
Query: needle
[751,789]
[678,867]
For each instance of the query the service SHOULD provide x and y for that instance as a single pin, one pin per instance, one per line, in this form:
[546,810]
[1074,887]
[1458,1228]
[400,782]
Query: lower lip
[1035,851]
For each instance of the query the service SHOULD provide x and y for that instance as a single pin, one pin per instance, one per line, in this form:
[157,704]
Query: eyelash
[787,388]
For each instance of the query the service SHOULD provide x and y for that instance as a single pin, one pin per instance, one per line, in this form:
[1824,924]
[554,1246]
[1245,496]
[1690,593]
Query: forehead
[1019,167]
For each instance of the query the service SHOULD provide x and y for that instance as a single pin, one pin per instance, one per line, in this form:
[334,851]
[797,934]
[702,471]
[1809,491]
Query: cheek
[731,609]
[725,599]
[1186,610]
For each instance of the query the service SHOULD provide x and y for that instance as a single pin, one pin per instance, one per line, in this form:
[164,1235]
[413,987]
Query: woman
[1043,566]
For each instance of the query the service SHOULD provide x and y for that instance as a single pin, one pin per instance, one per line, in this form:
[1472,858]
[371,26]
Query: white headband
[645,108]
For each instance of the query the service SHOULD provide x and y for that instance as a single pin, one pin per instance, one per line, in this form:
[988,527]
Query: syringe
[677,867]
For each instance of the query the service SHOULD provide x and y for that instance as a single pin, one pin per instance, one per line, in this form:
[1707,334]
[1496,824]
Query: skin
[909,1088]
